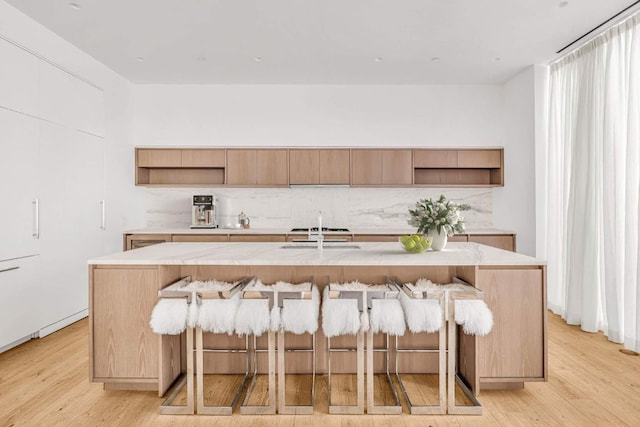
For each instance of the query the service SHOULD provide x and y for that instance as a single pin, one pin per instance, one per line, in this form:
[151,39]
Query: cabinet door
[18,79]
[71,185]
[58,98]
[304,167]
[159,158]
[257,238]
[375,238]
[203,158]
[501,241]
[89,115]
[479,158]
[334,166]
[273,167]
[515,348]
[200,238]
[19,184]
[242,167]
[123,345]
[397,167]
[20,302]
[366,167]
[435,158]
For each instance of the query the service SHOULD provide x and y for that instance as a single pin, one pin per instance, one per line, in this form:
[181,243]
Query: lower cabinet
[257,238]
[515,350]
[135,241]
[20,303]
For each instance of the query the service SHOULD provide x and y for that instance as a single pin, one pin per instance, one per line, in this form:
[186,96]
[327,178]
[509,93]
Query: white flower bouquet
[438,215]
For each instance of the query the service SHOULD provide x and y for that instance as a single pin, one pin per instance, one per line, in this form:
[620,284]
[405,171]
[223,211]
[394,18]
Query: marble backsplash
[299,206]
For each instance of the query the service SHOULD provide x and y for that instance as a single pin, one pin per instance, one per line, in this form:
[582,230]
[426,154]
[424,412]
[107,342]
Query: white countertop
[273,254]
[281,230]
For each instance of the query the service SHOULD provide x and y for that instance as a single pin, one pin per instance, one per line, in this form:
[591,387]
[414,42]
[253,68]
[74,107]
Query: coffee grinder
[203,212]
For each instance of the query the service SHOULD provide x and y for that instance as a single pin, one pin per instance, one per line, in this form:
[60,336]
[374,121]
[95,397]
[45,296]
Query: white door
[19,306]
[18,184]
[71,217]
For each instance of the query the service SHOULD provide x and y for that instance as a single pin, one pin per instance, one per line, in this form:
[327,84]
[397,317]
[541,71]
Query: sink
[323,247]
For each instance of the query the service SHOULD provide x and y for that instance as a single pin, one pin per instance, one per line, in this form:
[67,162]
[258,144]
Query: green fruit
[410,245]
[416,237]
[404,239]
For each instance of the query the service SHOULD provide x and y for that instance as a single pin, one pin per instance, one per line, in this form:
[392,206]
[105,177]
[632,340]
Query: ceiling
[320,41]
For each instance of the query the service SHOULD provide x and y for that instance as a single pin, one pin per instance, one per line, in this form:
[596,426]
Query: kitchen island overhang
[125,354]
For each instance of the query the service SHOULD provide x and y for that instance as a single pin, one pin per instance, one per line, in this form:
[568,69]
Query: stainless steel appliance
[203,212]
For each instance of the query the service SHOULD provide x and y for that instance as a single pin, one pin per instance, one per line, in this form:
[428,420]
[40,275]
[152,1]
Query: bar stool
[218,304]
[299,306]
[343,313]
[386,317]
[170,317]
[464,307]
[423,309]
[254,318]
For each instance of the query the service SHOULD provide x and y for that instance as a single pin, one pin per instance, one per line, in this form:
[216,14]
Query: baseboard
[56,326]
[16,343]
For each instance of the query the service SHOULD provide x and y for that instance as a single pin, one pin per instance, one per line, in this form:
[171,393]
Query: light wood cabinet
[515,350]
[319,166]
[200,238]
[257,238]
[135,241]
[344,237]
[381,167]
[180,167]
[375,238]
[458,168]
[257,167]
[501,241]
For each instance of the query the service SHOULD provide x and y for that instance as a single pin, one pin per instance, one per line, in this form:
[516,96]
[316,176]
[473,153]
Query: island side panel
[124,353]
[515,350]
[468,344]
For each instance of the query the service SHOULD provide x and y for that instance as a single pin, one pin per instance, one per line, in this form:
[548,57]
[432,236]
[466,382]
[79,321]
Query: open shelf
[459,168]
[180,176]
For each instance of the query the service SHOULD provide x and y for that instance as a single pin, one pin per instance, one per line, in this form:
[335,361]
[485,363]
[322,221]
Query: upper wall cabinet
[18,79]
[258,167]
[180,167]
[459,167]
[318,166]
[381,167]
[277,167]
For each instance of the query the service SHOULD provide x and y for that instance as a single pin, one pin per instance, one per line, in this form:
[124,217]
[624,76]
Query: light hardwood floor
[45,382]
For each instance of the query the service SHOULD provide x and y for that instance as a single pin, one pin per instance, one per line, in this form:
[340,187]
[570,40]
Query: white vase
[438,240]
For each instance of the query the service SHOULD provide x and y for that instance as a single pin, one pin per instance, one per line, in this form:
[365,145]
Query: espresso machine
[203,212]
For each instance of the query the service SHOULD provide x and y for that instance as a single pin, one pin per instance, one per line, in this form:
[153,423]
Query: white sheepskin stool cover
[253,315]
[300,316]
[216,315]
[421,315]
[169,316]
[339,316]
[475,317]
[387,317]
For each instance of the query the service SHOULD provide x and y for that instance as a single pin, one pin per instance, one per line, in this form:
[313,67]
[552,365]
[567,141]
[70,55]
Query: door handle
[36,218]
[9,269]
[103,224]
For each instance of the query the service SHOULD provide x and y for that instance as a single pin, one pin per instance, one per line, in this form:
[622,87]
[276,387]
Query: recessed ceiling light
[75,6]
[139,58]
[257,58]
[435,59]
[201,58]
[563,4]
[379,59]
[497,58]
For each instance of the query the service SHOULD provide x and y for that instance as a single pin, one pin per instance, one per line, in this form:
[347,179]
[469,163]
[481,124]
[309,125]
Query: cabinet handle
[36,218]
[9,269]
[103,225]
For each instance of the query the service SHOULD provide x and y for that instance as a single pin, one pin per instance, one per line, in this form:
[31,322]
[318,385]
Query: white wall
[514,204]
[413,116]
[119,192]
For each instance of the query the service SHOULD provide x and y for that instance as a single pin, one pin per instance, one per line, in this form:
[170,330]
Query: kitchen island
[125,354]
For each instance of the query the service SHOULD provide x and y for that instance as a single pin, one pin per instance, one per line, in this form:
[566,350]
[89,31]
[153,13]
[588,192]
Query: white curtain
[593,185]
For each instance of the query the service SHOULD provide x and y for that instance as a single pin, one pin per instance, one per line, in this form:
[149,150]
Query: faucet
[320,236]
